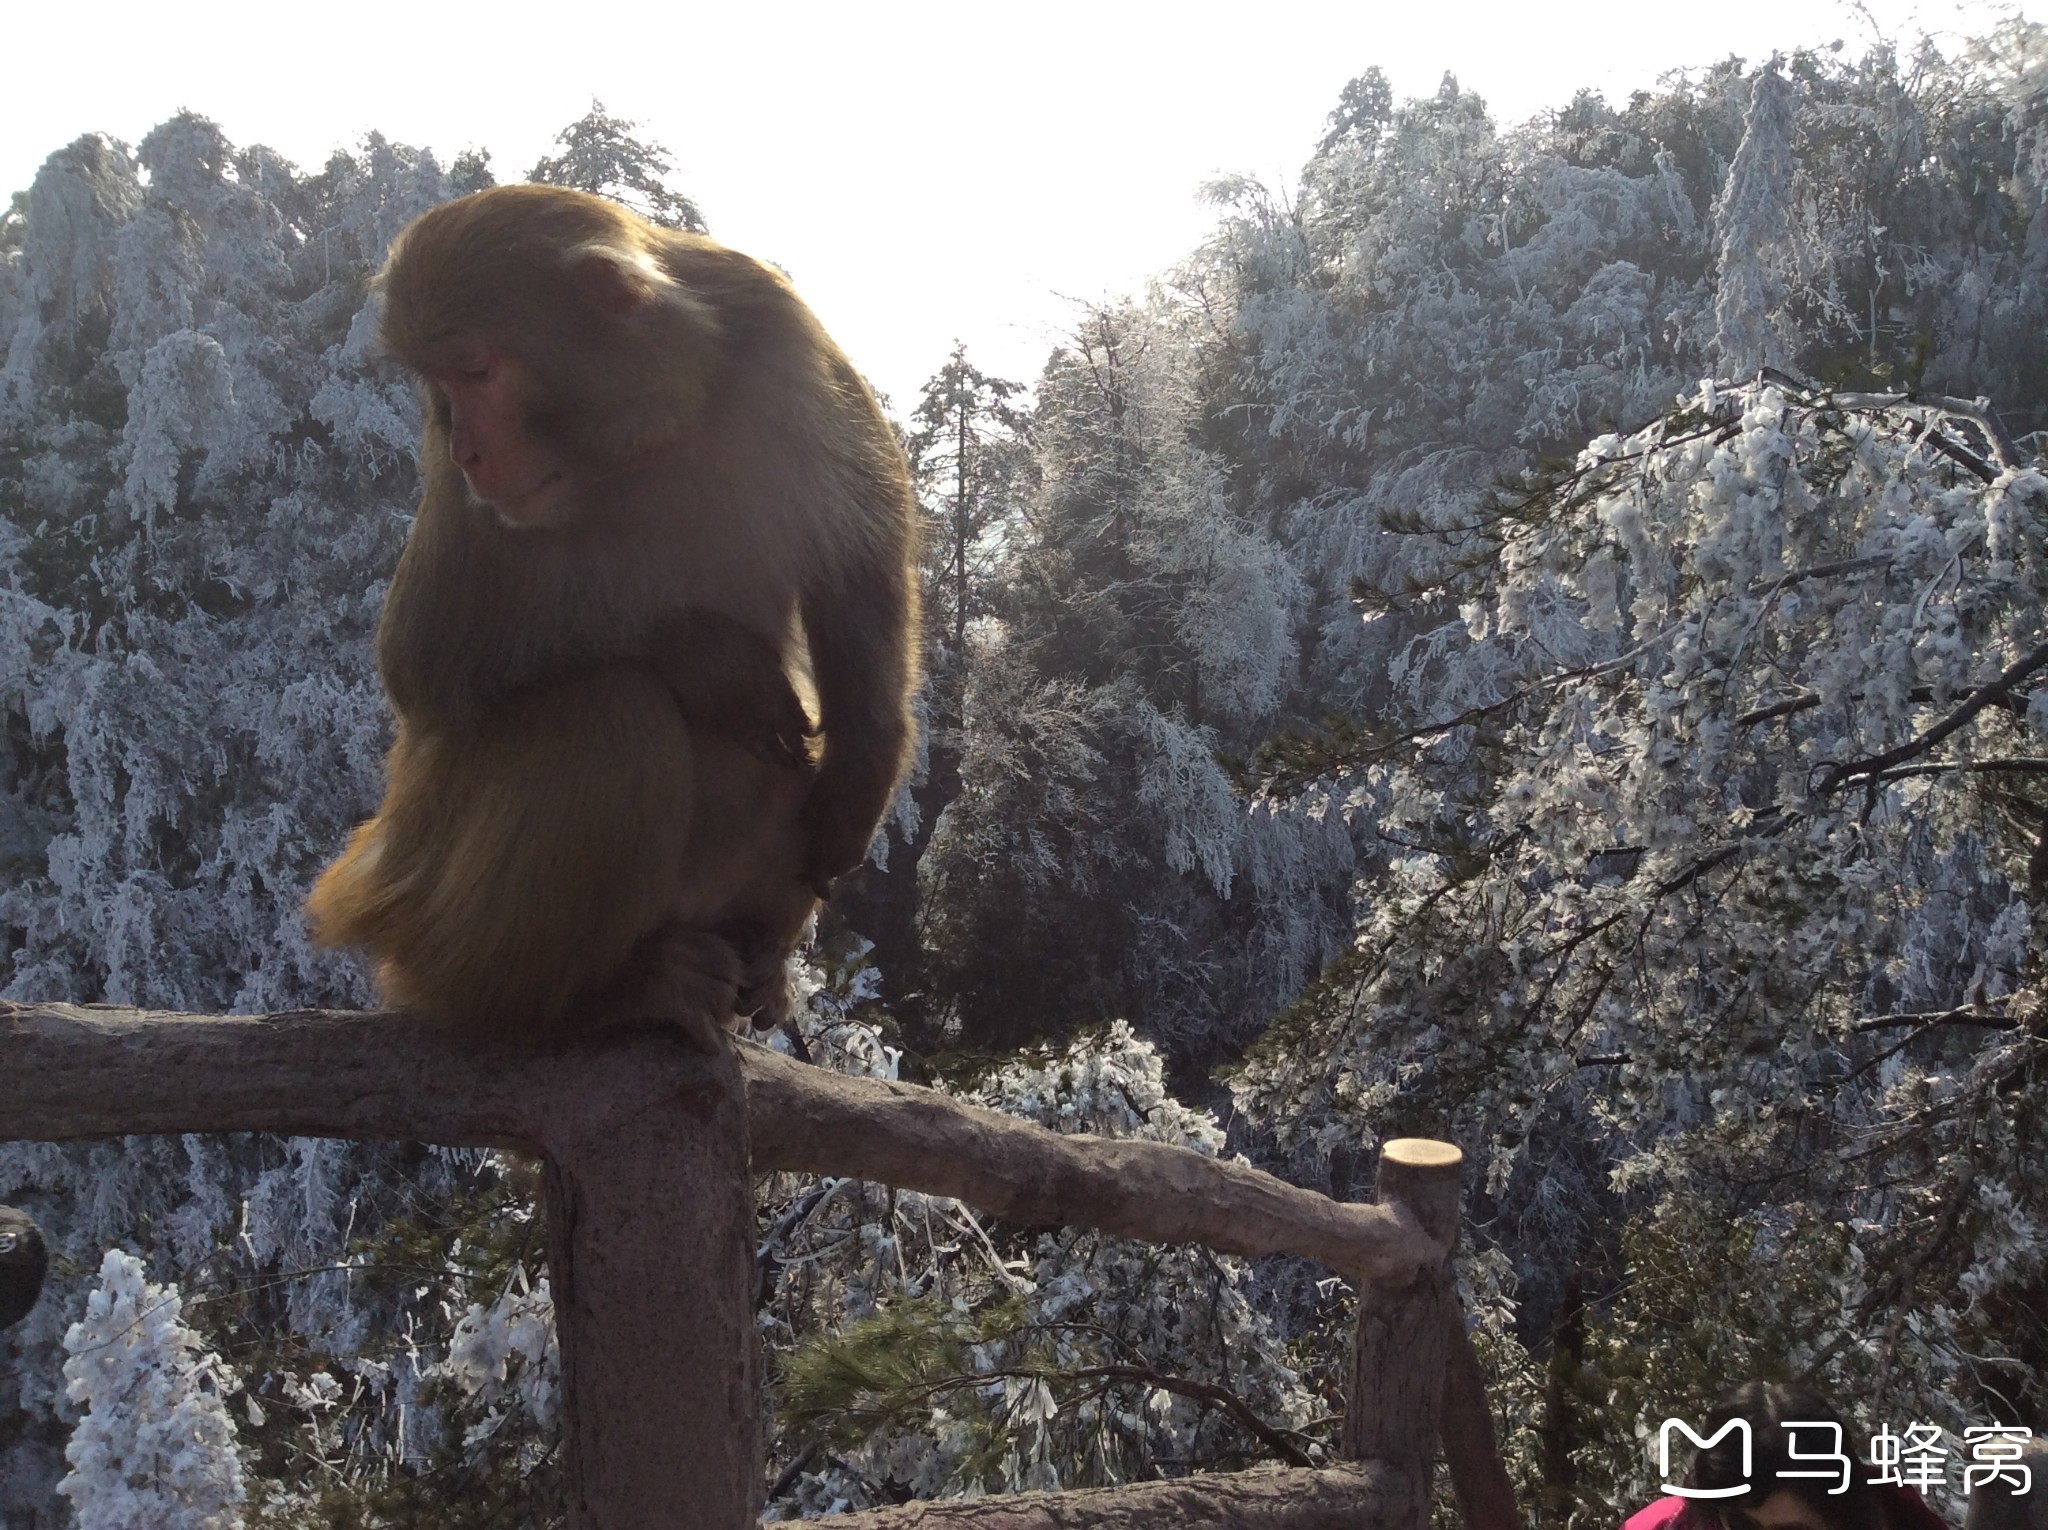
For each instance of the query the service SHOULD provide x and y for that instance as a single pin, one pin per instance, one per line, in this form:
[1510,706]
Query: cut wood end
[1422,1153]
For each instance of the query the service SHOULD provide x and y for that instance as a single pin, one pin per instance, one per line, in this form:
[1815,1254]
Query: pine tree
[601,155]
[1756,215]
[155,1449]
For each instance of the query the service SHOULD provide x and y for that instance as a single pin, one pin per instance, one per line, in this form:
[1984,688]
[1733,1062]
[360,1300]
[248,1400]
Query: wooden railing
[650,1150]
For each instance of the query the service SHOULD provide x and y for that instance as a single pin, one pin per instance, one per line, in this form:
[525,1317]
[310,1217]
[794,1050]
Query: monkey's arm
[469,621]
[862,628]
[728,679]
[466,620]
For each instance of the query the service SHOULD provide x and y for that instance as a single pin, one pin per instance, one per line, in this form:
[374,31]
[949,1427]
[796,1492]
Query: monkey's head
[554,346]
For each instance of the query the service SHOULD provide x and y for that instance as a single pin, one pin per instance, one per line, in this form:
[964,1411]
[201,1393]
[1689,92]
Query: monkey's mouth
[535,505]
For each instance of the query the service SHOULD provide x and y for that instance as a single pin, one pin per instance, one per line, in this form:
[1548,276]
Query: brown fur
[606,791]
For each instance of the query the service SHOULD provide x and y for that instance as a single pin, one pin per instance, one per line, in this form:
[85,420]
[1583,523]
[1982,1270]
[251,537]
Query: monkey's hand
[771,725]
[840,817]
[727,679]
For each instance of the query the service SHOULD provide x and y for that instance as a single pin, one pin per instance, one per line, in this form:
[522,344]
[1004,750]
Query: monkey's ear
[617,281]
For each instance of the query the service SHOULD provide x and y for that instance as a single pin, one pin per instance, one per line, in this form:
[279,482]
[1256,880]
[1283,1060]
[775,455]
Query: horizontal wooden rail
[918,1139]
[1265,1498]
[650,1220]
[650,1209]
[69,1072]
[76,1071]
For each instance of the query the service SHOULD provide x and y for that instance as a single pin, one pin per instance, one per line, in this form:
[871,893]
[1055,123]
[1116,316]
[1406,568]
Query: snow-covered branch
[1835,776]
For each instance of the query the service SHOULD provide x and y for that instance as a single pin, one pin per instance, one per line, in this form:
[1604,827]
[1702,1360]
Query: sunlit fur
[607,800]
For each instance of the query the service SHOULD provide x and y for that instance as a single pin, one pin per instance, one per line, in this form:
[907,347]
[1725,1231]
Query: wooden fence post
[648,1147]
[1398,1350]
[650,1256]
[1486,1498]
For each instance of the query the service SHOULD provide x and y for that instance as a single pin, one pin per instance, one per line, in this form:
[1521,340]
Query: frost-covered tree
[973,470]
[1710,919]
[1754,233]
[1439,302]
[926,1350]
[967,453]
[1309,414]
[1436,305]
[1098,861]
[154,1448]
[600,154]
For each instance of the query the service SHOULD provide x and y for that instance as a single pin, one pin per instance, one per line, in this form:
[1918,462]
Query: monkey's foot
[688,979]
[764,995]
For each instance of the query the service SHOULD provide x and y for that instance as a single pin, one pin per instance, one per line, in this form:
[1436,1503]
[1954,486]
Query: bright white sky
[925,171]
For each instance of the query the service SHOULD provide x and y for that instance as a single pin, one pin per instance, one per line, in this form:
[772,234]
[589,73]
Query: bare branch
[1210,1392]
[1920,1025]
[1988,1019]
[2016,765]
[1836,776]
[1864,565]
[1806,701]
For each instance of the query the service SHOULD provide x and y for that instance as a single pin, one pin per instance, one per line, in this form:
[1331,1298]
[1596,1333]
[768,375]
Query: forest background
[1496,644]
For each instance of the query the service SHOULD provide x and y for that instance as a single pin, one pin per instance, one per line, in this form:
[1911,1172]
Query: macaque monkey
[659,504]
[24,1261]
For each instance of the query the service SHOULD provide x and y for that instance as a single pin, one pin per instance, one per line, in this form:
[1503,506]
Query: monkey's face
[488,405]
[558,352]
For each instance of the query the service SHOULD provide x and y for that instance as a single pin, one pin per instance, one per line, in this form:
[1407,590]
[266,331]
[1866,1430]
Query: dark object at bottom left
[24,1261]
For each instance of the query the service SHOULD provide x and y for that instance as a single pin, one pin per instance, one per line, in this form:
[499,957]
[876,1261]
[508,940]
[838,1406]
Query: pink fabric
[1909,1511]
[1662,1512]
[1912,1510]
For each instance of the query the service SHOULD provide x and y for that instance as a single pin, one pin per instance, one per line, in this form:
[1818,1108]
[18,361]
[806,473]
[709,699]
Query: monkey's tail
[348,905]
